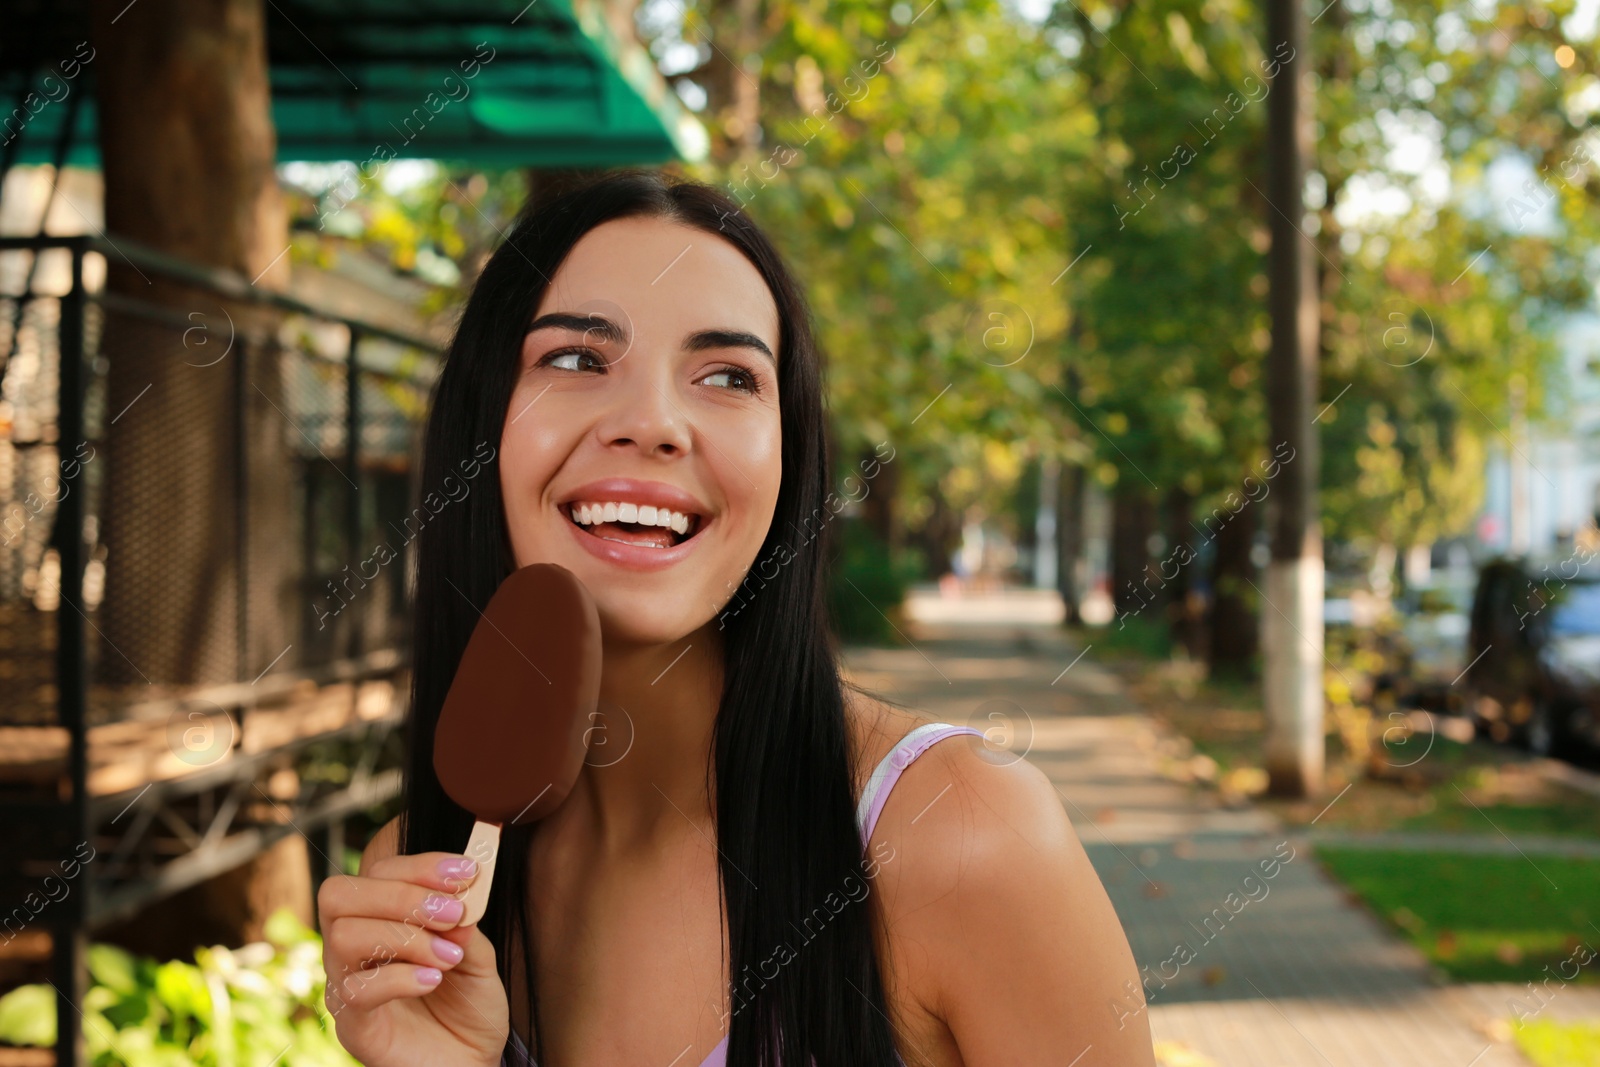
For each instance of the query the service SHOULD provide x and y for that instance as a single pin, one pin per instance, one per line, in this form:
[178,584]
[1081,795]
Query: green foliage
[1141,636]
[1427,345]
[934,175]
[912,169]
[28,1016]
[439,228]
[1484,918]
[1023,239]
[249,1007]
[868,586]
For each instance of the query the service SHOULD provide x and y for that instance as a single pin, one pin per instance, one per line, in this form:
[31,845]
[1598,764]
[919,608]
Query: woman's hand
[407,985]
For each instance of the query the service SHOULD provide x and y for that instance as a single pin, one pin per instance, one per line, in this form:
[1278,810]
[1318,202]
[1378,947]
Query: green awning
[502,83]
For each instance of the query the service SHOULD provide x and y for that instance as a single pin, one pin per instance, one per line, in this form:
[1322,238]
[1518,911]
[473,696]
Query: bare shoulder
[384,843]
[875,727]
[996,923]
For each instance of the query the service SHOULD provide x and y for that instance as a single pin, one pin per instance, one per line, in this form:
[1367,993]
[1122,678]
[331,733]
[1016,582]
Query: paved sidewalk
[1286,972]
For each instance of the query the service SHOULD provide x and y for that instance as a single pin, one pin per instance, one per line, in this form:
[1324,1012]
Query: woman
[706,893]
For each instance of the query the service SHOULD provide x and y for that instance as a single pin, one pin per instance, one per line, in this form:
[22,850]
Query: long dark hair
[780,756]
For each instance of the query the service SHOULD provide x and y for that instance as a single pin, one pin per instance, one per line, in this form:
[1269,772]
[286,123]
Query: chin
[633,615]
[631,633]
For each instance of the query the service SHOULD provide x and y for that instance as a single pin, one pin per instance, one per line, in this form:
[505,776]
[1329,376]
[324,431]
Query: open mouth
[629,524]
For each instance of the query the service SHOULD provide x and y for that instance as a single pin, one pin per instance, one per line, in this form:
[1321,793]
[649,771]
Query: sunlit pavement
[1287,970]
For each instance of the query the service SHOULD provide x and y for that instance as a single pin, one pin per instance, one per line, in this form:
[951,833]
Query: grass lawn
[1553,1044]
[1481,918]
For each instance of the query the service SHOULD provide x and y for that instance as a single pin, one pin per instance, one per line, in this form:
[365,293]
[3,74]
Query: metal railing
[188,606]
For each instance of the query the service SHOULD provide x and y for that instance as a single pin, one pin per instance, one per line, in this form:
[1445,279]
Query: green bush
[249,1007]
[1135,635]
[868,586]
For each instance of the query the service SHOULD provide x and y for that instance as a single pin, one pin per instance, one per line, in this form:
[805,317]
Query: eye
[748,382]
[571,359]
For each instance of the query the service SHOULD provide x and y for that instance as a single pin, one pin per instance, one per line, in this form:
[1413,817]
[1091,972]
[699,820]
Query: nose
[644,412]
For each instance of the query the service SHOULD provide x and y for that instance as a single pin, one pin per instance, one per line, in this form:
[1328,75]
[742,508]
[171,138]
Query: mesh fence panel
[29,493]
[227,534]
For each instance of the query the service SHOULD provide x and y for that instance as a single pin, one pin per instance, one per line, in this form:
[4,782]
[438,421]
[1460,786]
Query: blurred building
[1543,479]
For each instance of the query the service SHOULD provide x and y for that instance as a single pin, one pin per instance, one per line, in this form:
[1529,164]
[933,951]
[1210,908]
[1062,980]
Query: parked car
[1533,649]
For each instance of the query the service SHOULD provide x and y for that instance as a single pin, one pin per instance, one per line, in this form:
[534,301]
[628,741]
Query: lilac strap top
[868,809]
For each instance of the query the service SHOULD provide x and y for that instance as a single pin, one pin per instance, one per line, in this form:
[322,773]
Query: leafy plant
[248,1007]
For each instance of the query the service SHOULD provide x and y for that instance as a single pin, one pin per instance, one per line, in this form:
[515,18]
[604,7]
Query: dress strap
[889,769]
[519,1056]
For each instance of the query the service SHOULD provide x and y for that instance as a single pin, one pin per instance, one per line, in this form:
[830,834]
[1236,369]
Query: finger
[363,991]
[478,960]
[355,942]
[447,871]
[343,896]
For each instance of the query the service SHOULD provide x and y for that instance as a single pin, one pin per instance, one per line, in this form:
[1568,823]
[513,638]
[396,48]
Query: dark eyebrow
[704,339]
[606,330]
[589,325]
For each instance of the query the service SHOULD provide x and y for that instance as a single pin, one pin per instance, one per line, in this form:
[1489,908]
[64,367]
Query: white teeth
[589,514]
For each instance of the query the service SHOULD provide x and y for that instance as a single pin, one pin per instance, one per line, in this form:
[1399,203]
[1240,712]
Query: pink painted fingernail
[429,976]
[457,867]
[445,909]
[448,951]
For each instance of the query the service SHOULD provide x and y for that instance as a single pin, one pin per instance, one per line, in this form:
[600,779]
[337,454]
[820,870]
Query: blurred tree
[1445,300]
[1023,237]
[1430,312]
[911,164]
[1169,290]
[440,223]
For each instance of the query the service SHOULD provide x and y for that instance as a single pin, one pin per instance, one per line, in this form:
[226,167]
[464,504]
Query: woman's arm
[1010,937]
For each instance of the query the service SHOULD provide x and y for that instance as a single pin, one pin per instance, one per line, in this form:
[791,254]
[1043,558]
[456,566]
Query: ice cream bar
[512,733]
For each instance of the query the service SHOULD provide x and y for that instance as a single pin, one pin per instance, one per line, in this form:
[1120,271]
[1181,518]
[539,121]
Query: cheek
[528,452]
[759,458]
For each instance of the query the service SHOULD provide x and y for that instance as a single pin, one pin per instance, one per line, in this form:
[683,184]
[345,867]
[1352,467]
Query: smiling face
[642,445]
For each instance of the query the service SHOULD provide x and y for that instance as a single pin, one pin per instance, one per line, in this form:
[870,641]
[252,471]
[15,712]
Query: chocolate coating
[512,733]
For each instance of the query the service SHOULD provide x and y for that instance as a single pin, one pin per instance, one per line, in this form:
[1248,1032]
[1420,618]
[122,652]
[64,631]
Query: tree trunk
[1135,589]
[877,505]
[230,909]
[1069,539]
[195,591]
[1231,629]
[187,141]
[1183,613]
[1292,689]
[939,536]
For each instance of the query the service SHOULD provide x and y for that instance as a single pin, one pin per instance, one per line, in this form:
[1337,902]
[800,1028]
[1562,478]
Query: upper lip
[635,491]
